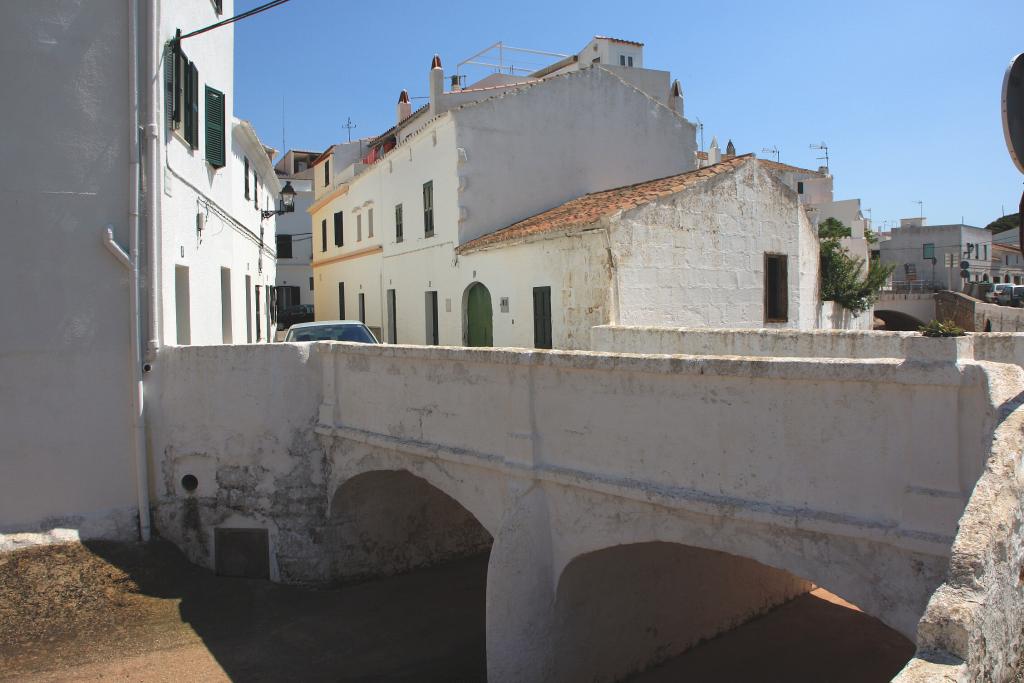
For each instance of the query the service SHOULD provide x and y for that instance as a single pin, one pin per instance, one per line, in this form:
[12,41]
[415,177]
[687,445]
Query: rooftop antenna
[920,208]
[822,146]
[700,127]
[349,126]
[870,214]
[771,150]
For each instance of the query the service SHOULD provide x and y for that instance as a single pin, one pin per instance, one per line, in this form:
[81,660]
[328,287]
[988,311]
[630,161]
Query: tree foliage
[842,280]
[870,235]
[1011,222]
[833,228]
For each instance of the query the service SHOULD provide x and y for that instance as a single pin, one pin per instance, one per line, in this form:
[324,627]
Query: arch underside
[897,321]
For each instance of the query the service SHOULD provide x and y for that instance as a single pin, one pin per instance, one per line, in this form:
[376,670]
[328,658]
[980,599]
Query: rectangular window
[182,308]
[257,313]
[776,288]
[183,96]
[392,323]
[428,208]
[192,106]
[928,251]
[339,228]
[327,173]
[542,317]
[369,223]
[431,306]
[215,127]
[225,305]
[398,223]
[323,235]
[341,301]
[362,308]
[284,246]
[255,190]
[311,284]
[800,188]
[245,174]
[359,227]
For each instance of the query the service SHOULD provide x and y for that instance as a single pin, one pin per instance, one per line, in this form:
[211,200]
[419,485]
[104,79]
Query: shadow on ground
[426,626]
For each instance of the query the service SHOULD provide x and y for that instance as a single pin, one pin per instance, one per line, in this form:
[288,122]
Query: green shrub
[841,279]
[938,328]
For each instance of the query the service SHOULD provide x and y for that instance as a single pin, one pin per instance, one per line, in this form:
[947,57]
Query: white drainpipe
[134,192]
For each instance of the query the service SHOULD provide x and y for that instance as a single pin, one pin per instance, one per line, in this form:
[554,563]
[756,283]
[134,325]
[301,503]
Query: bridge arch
[898,321]
[626,608]
[384,522]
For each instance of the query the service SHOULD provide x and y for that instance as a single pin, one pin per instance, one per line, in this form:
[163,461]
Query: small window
[284,246]
[341,301]
[359,227]
[255,190]
[183,97]
[776,289]
[245,174]
[323,235]
[327,173]
[542,317]
[928,251]
[428,208]
[311,284]
[339,228]
[369,222]
[362,307]
[392,322]
[300,166]
[800,188]
[398,223]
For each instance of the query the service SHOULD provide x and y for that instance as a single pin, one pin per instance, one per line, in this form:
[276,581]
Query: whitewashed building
[294,239]
[919,251]
[137,221]
[390,211]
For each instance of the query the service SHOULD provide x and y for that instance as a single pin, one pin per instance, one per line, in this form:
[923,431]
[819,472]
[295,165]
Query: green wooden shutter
[214,127]
[170,58]
[191,113]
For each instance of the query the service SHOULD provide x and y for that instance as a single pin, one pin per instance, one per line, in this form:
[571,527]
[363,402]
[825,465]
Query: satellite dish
[1013,110]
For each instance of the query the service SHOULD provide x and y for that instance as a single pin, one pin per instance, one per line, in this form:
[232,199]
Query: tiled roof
[775,165]
[619,40]
[588,209]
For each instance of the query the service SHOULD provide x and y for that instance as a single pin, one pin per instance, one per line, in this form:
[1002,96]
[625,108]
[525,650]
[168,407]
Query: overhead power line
[238,17]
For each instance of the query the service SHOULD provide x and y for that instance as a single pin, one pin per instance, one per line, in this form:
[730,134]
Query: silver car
[331,330]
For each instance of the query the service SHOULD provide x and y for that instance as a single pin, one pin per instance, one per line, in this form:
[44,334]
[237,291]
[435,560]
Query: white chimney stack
[404,108]
[436,86]
[675,98]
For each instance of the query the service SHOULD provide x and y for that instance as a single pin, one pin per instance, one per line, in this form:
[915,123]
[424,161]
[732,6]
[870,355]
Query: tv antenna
[771,150]
[824,147]
[700,127]
[920,208]
[349,126]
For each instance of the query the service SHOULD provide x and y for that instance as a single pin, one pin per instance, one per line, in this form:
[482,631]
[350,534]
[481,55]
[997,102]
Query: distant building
[294,239]
[931,255]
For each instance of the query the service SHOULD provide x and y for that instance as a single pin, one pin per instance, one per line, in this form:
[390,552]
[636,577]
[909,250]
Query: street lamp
[287,203]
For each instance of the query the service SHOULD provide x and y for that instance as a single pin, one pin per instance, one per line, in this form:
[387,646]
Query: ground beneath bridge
[143,613]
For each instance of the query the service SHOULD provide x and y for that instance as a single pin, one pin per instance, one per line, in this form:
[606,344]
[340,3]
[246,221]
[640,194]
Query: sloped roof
[776,166]
[619,40]
[590,208]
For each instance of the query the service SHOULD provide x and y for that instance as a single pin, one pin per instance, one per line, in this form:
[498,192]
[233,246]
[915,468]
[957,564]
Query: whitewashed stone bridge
[631,504]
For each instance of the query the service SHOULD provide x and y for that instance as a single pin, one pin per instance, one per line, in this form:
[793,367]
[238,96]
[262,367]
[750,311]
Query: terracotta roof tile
[588,209]
[775,165]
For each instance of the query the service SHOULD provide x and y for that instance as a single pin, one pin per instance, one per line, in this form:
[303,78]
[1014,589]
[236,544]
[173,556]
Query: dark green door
[479,329]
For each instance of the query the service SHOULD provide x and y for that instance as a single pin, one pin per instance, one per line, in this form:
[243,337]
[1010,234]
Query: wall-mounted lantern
[286,202]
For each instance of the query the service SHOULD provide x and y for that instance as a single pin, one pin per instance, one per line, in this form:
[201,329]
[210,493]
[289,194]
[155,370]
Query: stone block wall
[976,316]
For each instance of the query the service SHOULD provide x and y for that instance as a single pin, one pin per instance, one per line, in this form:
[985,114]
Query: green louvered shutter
[170,59]
[192,106]
[214,127]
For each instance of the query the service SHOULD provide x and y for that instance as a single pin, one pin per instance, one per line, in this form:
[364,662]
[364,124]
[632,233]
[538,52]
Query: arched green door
[479,328]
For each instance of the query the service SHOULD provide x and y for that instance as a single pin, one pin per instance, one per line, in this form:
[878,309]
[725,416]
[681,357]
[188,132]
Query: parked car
[331,330]
[1011,296]
[997,289]
[299,313]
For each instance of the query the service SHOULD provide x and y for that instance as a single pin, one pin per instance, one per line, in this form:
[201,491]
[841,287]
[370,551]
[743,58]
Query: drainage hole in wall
[189,482]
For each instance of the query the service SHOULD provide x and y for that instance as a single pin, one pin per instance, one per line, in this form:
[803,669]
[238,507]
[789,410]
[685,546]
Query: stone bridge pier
[629,505]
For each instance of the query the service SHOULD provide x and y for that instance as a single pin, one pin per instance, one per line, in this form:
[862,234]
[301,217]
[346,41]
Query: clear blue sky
[905,92]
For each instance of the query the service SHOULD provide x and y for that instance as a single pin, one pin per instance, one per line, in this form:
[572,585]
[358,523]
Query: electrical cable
[231,20]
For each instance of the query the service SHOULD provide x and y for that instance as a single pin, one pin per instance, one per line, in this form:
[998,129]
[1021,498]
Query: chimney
[675,98]
[404,108]
[730,151]
[456,86]
[436,86]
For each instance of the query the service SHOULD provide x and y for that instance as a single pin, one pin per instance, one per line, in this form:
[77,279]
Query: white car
[997,289]
[331,330]
[1011,296]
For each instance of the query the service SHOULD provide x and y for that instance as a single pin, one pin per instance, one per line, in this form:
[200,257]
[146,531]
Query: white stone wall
[697,258]
[65,405]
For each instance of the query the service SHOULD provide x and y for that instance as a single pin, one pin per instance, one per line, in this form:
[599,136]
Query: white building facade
[931,255]
[132,230]
[294,239]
